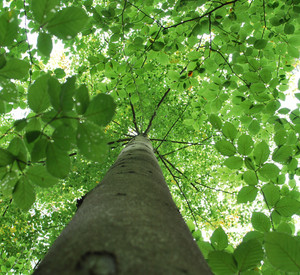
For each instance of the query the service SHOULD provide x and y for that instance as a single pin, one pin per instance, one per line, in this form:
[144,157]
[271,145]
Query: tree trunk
[128,224]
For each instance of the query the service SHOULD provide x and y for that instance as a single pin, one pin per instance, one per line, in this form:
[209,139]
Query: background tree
[206,80]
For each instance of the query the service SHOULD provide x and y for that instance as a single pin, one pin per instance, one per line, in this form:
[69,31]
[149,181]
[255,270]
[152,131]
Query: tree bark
[128,224]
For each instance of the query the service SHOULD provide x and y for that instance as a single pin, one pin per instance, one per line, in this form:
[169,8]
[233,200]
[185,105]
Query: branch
[133,115]
[175,179]
[154,114]
[202,184]
[172,126]
[199,17]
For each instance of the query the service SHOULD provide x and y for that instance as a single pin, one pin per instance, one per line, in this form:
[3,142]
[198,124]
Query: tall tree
[206,81]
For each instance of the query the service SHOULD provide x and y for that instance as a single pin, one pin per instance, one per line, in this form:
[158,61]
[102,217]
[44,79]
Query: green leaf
[219,239]
[64,137]
[43,10]
[157,46]
[225,148]
[44,44]
[38,151]
[82,99]
[289,28]
[215,121]
[15,69]
[229,130]
[248,254]
[260,44]
[6,157]
[247,193]
[39,175]
[261,153]
[38,98]
[245,145]
[280,137]
[18,149]
[293,51]
[234,162]
[91,141]
[8,28]
[287,206]
[66,94]
[269,171]
[250,177]
[283,251]
[221,263]
[254,127]
[68,22]
[194,55]
[54,89]
[57,161]
[101,109]
[282,154]
[271,194]
[24,194]
[260,222]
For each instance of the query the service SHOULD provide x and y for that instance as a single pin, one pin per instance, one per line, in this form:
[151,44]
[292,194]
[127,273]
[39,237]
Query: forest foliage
[206,81]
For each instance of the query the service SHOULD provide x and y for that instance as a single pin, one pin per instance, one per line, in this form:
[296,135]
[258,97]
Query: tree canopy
[206,81]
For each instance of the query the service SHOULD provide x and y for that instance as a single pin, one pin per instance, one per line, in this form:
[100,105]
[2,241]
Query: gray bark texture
[127,225]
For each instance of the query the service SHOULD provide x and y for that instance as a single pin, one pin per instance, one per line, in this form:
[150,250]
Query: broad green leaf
[44,44]
[39,175]
[15,69]
[215,121]
[31,136]
[82,99]
[250,177]
[229,130]
[293,51]
[57,161]
[287,207]
[219,239]
[269,171]
[283,251]
[271,194]
[253,235]
[205,248]
[248,254]
[64,137]
[24,194]
[157,46]
[245,145]
[68,22]
[260,44]
[225,148]
[260,222]
[221,263]
[66,94]
[18,149]
[261,152]
[194,55]
[254,127]
[234,162]
[101,109]
[289,28]
[280,137]
[38,151]
[282,154]
[91,141]
[38,98]
[43,10]
[249,163]
[54,89]
[6,157]
[247,193]
[8,28]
